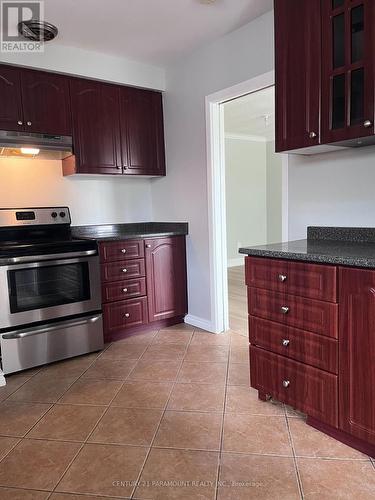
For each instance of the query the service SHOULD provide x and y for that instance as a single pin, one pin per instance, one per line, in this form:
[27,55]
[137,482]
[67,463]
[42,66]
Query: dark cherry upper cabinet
[357,353]
[297,66]
[166,277]
[34,101]
[347,69]
[96,127]
[142,134]
[11,114]
[46,103]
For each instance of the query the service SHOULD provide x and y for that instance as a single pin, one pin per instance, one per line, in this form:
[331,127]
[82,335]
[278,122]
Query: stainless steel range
[50,303]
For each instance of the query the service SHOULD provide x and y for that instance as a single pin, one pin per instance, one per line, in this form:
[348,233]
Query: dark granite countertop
[327,245]
[114,232]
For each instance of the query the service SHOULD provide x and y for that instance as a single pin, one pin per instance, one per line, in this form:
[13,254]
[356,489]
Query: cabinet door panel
[120,290]
[96,126]
[306,314]
[46,102]
[300,345]
[10,99]
[357,353]
[124,314]
[120,250]
[142,137]
[347,70]
[307,389]
[117,271]
[298,62]
[166,277]
[314,281]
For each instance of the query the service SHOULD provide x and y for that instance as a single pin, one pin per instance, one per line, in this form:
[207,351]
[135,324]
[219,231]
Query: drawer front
[313,281]
[305,388]
[117,271]
[306,347]
[121,290]
[120,250]
[306,314]
[124,314]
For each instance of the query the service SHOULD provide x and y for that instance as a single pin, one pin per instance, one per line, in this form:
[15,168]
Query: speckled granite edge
[311,257]
[355,234]
[113,232]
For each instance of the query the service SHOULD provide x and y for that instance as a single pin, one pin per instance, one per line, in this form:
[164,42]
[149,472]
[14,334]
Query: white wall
[90,64]
[246,195]
[274,194]
[182,195]
[333,189]
[100,200]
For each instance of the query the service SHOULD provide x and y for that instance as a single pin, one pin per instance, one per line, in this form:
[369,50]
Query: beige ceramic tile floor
[139,421]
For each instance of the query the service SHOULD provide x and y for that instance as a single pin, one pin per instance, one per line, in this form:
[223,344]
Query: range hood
[31,145]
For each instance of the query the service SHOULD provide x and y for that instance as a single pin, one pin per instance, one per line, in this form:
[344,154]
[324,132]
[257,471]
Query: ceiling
[151,31]
[251,115]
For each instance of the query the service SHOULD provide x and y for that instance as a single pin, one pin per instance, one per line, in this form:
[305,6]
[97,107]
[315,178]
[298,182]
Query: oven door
[41,291]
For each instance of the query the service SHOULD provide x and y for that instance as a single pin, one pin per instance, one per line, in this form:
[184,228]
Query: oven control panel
[34,216]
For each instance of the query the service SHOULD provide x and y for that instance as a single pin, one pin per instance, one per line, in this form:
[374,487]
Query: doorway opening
[247,185]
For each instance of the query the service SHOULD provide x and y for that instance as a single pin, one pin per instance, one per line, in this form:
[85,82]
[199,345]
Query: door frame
[216,193]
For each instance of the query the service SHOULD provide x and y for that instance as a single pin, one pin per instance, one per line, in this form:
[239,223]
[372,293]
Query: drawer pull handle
[123,250]
[126,315]
[282,278]
[284,310]
[124,270]
[286,342]
[148,245]
[286,383]
[125,290]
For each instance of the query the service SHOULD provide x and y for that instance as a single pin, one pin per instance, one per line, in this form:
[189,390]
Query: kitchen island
[311,307]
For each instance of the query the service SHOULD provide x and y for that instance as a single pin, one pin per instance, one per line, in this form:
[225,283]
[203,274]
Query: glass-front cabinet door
[348,69]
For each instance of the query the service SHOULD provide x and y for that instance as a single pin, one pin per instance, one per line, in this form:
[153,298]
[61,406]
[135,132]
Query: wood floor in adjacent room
[237,300]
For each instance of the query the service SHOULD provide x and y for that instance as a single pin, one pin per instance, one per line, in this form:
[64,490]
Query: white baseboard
[201,323]
[239,261]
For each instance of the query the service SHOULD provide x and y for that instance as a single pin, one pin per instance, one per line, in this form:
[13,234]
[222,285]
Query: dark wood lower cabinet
[357,353]
[125,314]
[312,315]
[143,284]
[310,390]
[318,356]
[166,278]
[300,345]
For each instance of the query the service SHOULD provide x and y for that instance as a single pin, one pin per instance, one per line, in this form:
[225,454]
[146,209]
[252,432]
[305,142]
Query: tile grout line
[36,402]
[222,421]
[87,437]
[162,416]
[296,469]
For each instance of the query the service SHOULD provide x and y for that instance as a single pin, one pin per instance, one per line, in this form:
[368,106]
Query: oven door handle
[54,256]
[29,332]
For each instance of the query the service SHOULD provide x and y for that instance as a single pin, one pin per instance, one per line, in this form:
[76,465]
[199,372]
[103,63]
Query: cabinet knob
[123,250]
[19,122]
[286,383]
[124,270]
[284,310]
[126,315]
[118,167]
[148,245]
[312,135]
[282,278]
[125,290]
[28,124]
[286,342]
[367,123]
